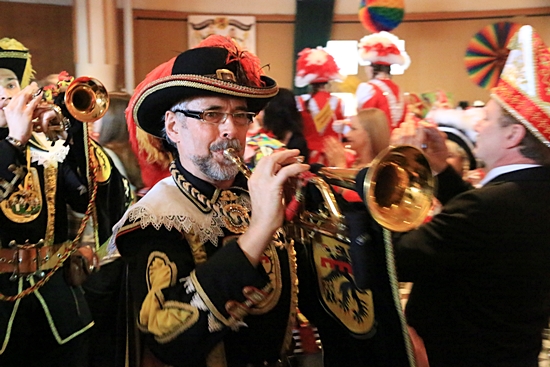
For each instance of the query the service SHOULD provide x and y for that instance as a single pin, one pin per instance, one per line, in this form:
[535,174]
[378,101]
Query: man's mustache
[225,144]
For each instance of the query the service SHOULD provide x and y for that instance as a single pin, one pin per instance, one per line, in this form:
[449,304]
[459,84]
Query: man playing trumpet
[44,317]
[481,294]
[212,282]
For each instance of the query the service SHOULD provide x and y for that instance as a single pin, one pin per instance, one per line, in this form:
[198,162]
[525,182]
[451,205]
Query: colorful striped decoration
[487,52]
[381,15]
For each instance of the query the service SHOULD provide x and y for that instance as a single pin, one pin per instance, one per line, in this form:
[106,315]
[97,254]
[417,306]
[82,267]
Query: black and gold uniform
[199,299]
[48,324]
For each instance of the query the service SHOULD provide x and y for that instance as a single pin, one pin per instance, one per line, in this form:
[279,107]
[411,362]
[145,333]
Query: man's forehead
[7,74]
[492,107]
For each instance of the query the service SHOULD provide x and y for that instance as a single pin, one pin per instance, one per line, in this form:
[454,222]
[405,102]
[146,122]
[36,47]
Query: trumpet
[398,187]
[398,190]
[86,99]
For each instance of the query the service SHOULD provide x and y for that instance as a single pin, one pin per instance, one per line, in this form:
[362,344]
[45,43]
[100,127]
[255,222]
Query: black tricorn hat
[202,71]
[16,57]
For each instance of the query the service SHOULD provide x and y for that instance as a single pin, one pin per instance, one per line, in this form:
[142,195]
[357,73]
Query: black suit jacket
[481,271]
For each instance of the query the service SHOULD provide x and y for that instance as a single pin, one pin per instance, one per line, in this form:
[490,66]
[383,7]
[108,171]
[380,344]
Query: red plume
[250,63]
[152,157]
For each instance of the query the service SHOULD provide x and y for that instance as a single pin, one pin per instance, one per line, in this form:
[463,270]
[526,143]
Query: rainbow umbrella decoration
[486,53]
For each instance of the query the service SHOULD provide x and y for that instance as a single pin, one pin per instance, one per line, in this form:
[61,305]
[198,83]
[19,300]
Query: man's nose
[228,128]
[5,94]
[4,100]
[477,125]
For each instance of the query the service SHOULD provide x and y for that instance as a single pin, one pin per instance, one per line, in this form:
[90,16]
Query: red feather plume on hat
[250,63]
[152,157]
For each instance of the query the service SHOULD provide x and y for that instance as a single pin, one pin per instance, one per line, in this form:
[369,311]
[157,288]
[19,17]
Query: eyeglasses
[240,118]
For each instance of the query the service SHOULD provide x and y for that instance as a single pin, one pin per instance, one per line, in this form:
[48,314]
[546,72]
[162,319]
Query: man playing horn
[44,317]
[480,268]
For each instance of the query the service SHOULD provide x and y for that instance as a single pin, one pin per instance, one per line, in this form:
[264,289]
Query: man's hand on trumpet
[25,111]
[426,136]
[266,194]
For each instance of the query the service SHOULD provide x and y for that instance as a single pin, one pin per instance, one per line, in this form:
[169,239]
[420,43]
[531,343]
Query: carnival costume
[199,300]
[40,303]
[382,49]
[320,109]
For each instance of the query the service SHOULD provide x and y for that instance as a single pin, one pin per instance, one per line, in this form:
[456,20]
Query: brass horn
[86,99]
[398,188]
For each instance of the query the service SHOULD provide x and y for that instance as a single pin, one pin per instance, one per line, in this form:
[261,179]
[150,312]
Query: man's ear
[515,135]
[172,127]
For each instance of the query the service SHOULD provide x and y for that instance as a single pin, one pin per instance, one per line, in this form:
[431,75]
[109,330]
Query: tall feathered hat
[16,57]
[382,48]
[217,66]
[315,65]
[524,86]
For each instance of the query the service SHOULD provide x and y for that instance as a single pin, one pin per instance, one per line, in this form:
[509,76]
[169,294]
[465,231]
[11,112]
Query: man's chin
[223,171]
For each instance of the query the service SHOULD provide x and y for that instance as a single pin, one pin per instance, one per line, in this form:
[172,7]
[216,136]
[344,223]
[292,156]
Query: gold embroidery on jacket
[164,319]
[25,203]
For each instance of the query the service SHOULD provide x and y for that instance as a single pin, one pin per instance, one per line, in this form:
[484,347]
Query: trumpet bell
[399,188]
[87,99]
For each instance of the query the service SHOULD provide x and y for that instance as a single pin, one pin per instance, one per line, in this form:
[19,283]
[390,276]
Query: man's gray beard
[218,171]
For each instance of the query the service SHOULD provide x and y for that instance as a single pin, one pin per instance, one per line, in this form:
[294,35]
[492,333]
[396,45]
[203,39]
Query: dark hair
[530,146]
[281,115]
[379,68]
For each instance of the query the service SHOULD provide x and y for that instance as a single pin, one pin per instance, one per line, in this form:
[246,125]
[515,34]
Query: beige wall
[437,52]
[436,47]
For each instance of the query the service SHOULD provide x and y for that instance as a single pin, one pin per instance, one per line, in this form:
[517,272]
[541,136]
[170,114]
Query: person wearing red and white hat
[481,294]
[378,52]
[316,68]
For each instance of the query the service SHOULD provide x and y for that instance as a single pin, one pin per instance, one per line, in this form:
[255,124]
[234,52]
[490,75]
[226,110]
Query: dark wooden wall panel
[46,30]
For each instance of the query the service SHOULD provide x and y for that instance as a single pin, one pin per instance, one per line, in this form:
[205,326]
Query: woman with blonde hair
[367,136]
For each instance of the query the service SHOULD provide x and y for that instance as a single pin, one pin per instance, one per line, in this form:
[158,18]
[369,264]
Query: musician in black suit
[481,294]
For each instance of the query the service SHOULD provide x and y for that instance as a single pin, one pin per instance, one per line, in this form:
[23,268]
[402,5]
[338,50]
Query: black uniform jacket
[191,284]
[481,271]
[64,306]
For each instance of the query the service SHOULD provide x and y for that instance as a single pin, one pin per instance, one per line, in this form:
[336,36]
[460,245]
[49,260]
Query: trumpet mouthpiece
[231,154]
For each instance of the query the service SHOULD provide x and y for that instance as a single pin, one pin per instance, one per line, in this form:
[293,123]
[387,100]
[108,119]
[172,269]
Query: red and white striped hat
[524,86]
